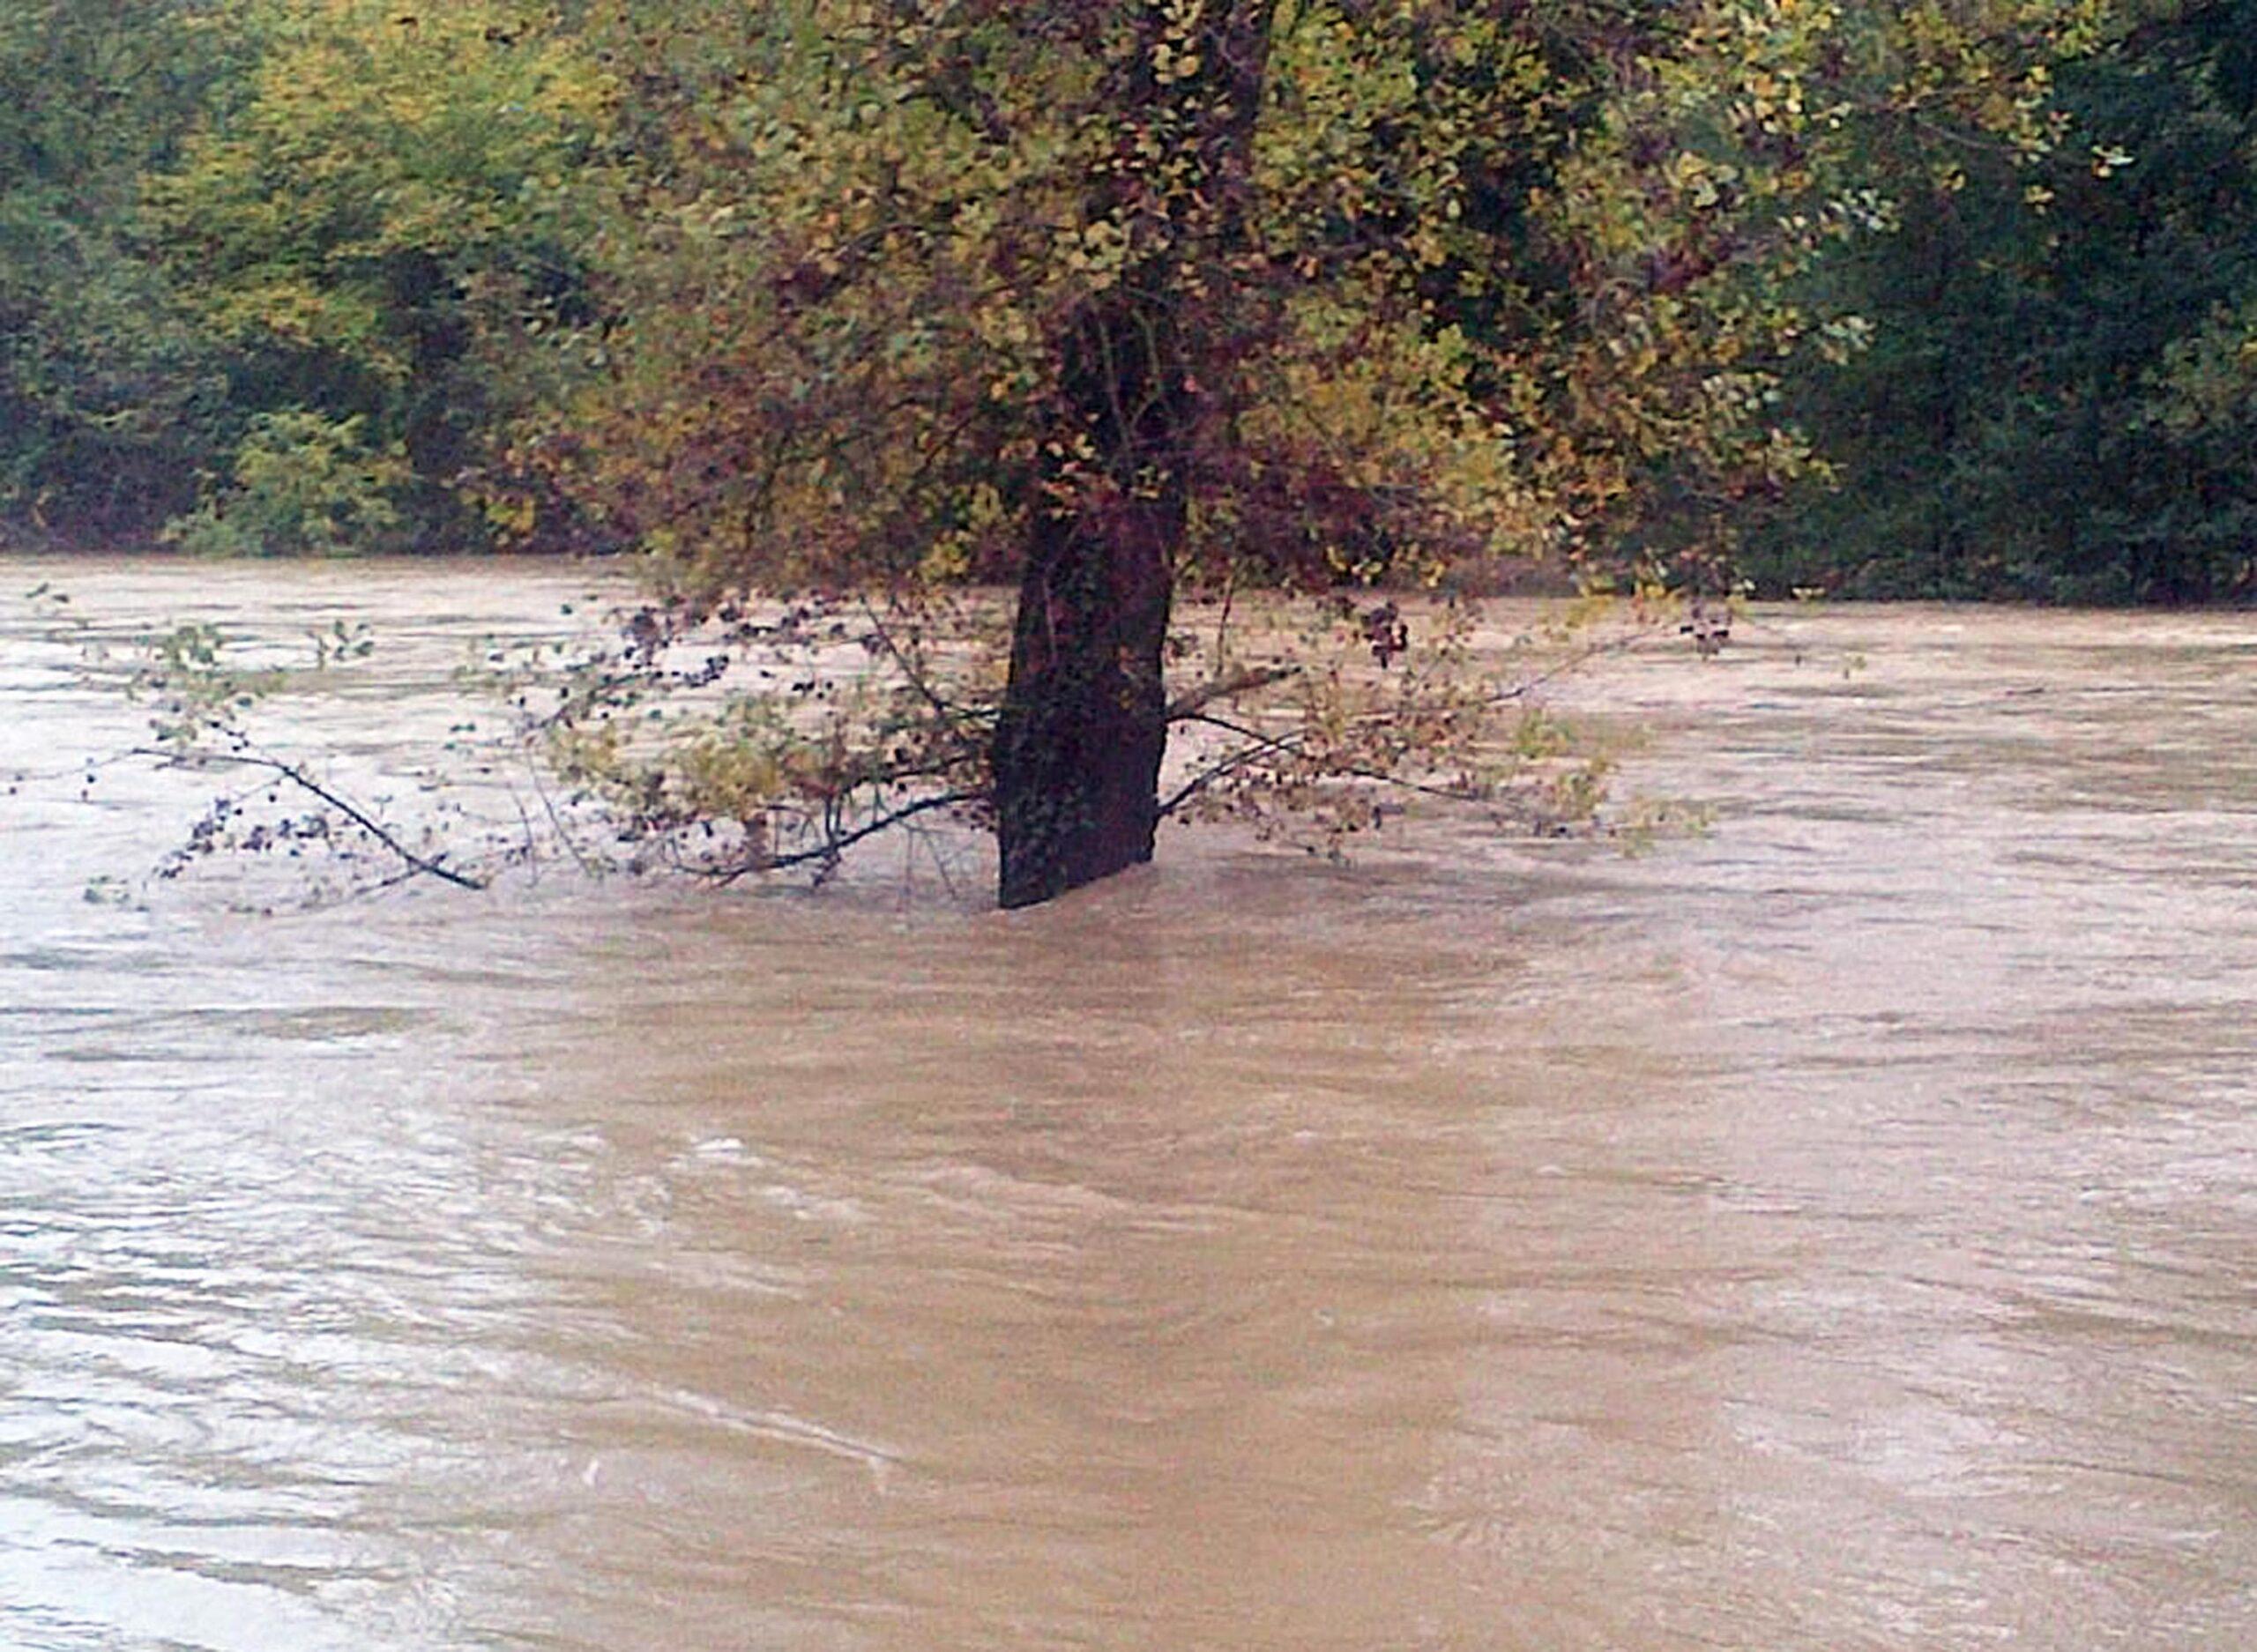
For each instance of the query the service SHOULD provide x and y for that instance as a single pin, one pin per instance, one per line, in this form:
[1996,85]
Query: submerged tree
[1106,301]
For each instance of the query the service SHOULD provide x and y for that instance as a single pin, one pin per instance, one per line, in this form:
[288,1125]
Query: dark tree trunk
[1085,719]
[1084,726]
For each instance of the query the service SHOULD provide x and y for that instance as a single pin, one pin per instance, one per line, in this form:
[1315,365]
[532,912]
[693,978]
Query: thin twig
[1188,704]
[914,677]
[305,782]
[837,842]
[563,833]
[1262,745]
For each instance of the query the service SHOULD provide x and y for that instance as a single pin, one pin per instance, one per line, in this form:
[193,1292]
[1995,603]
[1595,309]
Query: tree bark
[1084,724]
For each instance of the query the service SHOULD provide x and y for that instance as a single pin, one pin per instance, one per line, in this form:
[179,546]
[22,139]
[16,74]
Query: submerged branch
[417,865]
[1260,745]
[1187,706]
[1245,757]
[836,844]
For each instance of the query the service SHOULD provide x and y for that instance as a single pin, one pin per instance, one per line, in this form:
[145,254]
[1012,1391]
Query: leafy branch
[292,774]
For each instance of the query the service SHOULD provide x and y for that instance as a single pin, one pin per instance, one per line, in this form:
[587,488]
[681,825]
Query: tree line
[2058,396]
[1945,299]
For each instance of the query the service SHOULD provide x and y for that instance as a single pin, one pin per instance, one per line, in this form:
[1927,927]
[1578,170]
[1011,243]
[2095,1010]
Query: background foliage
[2057,403]
[1950,299]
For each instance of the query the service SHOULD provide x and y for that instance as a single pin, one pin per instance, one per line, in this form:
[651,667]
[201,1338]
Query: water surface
[1837,1232]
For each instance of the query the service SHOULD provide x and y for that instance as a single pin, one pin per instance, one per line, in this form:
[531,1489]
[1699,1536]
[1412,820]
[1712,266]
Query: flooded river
[1837,1232]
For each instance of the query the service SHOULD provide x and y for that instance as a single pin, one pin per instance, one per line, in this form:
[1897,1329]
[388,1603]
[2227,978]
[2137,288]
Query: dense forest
[1953,299]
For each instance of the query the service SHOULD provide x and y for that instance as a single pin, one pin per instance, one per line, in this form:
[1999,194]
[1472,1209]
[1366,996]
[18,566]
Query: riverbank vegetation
[2054,404]
[1934,299]
[836,309]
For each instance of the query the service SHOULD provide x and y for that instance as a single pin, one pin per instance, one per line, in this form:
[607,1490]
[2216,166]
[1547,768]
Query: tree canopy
[1107,300]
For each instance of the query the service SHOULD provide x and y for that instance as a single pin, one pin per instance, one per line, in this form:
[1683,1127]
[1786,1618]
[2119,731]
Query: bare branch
[1188,704]
[297,776]
[1262,746]
[837,842]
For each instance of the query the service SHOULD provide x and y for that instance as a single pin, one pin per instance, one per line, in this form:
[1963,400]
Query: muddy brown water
[1837,1232]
